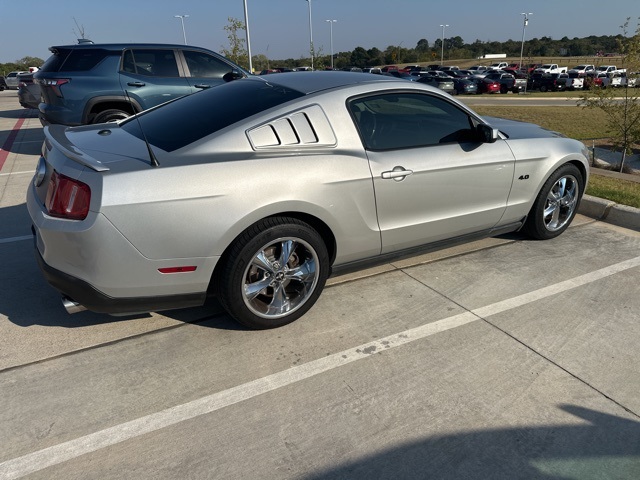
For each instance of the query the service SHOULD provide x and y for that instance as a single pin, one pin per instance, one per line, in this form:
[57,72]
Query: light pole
[184,34]
[524,26]
[442,51]
[246,24]
[310,34]
[331,22]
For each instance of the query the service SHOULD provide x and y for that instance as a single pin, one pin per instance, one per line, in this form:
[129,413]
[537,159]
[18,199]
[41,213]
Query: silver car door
[433,178]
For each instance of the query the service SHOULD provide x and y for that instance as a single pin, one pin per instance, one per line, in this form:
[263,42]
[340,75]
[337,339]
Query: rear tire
[556,203]
[111,115]
[273,274]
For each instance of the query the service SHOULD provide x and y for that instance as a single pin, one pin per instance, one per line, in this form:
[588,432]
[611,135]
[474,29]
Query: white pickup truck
[550,68]
[583,70]
[606,69]
[498,65]
[618,79]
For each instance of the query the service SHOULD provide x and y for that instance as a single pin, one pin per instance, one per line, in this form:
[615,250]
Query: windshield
[188,119]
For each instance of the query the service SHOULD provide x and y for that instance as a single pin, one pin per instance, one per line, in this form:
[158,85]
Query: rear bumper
[92,299]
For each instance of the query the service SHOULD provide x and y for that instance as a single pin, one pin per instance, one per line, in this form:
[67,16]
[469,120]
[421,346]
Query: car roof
[123,46]
[310,82]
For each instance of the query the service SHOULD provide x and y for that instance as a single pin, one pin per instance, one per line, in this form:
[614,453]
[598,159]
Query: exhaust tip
[72,306]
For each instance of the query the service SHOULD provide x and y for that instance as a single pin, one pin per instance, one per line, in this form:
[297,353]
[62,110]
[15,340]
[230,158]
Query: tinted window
[203,65]
[191,118]
[153,63]
[82,60]
[405,120]
[74,60]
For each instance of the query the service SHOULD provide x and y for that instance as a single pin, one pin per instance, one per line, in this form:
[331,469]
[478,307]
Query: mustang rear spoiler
[56,135]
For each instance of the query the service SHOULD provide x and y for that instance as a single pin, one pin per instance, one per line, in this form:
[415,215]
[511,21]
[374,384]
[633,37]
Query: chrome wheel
[273,273]
[561,203]
[280,278]
[556,204]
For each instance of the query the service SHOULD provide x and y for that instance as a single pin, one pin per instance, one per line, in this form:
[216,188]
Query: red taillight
[54,84]
[67,198]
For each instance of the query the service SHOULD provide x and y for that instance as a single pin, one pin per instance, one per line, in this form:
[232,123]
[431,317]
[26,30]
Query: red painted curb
[4,152]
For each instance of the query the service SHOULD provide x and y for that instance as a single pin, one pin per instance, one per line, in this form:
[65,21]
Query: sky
[279,29]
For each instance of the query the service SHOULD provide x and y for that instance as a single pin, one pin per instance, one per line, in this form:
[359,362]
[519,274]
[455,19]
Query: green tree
[622,112]
[359,57]
[422,45]
[30,62]
[237,52]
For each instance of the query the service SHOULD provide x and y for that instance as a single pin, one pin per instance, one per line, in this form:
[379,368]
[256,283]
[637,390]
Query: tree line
[455,48]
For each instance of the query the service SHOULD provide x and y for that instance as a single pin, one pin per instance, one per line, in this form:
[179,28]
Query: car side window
[203,65]
[152,63]
[408,120]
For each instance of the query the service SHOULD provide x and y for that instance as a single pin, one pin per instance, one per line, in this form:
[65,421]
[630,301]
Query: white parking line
[30,172]
[16,239]
[41,459]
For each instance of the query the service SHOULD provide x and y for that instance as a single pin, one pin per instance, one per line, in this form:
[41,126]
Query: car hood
[515,130]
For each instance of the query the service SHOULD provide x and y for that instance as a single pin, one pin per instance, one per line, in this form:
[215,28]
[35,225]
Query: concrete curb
[610,212]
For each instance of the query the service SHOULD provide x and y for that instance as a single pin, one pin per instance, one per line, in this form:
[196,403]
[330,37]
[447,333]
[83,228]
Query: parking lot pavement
[502,359]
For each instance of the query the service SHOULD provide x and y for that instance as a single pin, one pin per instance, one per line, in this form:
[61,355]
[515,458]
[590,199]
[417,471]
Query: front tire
[274,273]
[556,203]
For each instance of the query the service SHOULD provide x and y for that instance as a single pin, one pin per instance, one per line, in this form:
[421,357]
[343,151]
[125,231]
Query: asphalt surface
[502,359]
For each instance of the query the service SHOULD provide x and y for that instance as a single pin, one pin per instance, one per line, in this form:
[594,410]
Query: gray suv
[96,83]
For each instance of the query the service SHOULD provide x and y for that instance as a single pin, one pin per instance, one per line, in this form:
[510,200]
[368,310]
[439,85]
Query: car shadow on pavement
[599,446]
[26,298]
[19,113]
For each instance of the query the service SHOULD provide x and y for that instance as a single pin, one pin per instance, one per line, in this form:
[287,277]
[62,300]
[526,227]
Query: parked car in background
[507,82]
[486,85]
[550,68]
[3,84]
[478,69]
[605,69]
[464,86]
[513,68]
[575,80]
[95,83]
[498,65]
[548,82]
[443,83]
[12,79]
[582,70]
[411,68]
[28,91]
[461,73]
[415,170]
[402,75]
[618,79]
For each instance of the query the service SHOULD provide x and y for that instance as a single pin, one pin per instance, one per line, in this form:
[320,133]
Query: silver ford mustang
[258,190]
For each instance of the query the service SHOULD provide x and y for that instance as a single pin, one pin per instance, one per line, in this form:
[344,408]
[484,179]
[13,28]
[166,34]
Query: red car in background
[486,85]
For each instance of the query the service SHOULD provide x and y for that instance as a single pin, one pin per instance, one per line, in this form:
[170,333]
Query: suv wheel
[110,115]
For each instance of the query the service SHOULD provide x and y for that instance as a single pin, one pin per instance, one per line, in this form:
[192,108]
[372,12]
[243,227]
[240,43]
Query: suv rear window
[191,118]
[74,60]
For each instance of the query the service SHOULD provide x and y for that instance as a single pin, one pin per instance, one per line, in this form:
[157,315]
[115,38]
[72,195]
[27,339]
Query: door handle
[202,85]
[398,174]
[136,84]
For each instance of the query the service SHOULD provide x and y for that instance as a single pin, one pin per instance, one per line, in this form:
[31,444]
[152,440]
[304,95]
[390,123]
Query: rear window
[179,123]
[74,60]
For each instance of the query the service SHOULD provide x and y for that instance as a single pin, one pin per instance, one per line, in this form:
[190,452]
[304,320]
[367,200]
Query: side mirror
[487,133]
[232,75]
